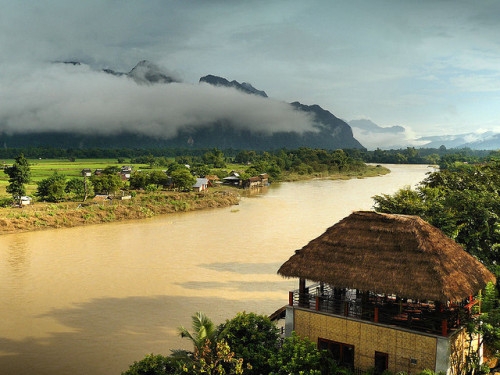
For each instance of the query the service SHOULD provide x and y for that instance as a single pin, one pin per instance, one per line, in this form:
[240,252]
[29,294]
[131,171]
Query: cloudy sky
[432,66]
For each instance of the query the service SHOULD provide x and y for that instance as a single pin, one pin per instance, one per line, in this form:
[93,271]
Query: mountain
[332,132]
[245,87]
[370,126]
[329,132]
[478,141]
[374,136]
[145,72]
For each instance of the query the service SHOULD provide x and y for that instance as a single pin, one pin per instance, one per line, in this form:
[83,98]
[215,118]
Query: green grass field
[43,168]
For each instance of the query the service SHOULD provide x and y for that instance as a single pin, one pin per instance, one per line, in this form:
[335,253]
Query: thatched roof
[390,254]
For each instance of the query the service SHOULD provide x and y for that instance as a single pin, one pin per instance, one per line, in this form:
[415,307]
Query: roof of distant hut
[390,254]
[200,182]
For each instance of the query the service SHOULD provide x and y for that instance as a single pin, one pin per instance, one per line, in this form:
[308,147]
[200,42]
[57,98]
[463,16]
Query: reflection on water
[18,254]
[94,299]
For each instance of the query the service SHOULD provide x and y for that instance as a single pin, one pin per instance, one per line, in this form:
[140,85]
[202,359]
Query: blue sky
[433,66]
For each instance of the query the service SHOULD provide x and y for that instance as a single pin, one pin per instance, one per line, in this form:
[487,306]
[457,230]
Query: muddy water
[91,300]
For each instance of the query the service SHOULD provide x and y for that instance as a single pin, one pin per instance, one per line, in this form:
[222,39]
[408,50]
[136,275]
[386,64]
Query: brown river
[91,300]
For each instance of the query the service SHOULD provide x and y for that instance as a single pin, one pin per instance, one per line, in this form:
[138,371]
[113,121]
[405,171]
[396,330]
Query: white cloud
[58,97]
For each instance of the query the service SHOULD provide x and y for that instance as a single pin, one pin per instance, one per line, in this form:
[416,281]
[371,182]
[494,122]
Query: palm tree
[203,330]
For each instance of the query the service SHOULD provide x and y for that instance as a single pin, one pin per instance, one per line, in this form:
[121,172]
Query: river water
[91,300]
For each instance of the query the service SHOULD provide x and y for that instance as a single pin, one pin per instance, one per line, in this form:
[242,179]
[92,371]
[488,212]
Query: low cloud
[62,97]
[386,141]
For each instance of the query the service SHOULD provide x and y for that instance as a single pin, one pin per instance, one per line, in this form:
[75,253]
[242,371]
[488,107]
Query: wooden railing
[414,315]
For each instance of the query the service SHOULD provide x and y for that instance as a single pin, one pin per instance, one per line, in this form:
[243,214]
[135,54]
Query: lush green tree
[158,178]
[297,356]
[200,170]
[153,364]
[106,183]
[19,175]
[111,169]
[174,167]
[76,187]
[138,180]
[215,359]
[211,354]
[182,179]
[52,188]
[252,337]
[215,158]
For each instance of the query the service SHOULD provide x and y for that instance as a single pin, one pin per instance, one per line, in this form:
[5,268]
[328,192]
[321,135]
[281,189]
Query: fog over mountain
[478,141]
[76,98]
[70,104]
[373,136]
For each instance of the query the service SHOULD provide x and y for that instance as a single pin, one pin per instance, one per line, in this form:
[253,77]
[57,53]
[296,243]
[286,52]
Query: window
[342,353]
[381,362]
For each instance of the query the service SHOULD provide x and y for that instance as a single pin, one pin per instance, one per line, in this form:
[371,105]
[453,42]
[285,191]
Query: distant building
[201,184]
[264,179]
[127,169]
[25,200]
[98,172]
[232,180]
[86,172]
[252,182]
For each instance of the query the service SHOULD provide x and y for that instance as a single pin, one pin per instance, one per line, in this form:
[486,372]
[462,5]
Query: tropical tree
[76,187]
[215,359]
[203,329]
[19,175]
[297,356]
[211,354]
[153,364]
[252,337]
[106,183]
[182,179]
[52,188]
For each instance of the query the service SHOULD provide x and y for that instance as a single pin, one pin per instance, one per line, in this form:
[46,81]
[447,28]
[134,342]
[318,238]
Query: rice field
[43,168]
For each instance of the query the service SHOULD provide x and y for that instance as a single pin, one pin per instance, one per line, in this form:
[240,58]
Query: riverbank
[366,171]
[143,205]
[71,214]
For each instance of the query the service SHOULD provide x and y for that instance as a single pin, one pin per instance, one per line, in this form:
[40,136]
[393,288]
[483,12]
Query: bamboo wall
[367,338]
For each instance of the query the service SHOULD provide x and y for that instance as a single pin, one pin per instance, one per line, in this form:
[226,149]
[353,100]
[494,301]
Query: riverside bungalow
[264,179]
[388,294]
[232,180]
[252,182]
[201,184]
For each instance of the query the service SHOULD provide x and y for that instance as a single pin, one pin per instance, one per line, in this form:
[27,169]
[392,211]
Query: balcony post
[317,303]
[303,293]
[302,285]
[290,298]
[375,318]
[444,327]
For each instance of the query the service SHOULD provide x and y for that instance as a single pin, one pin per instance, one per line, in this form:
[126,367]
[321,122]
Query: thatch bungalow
[389,295]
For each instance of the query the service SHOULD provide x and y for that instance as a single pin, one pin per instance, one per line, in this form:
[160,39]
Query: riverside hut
[389,293]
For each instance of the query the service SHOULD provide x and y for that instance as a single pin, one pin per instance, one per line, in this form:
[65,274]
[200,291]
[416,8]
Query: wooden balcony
[422,316]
